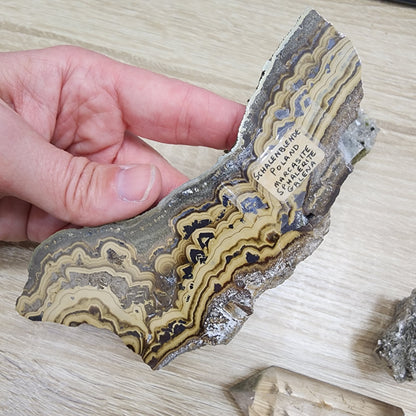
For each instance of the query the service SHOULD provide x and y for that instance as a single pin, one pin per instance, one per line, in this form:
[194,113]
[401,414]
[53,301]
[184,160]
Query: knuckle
[79,190]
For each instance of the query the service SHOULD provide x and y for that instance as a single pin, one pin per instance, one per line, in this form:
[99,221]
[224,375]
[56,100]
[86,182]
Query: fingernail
[135,182]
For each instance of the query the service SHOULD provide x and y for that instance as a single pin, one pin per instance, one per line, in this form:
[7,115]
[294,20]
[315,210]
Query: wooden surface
[324,321]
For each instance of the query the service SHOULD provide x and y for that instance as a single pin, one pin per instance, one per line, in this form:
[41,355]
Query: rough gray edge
[397,344]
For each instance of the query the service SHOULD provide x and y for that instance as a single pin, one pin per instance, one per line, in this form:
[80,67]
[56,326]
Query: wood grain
[324,322]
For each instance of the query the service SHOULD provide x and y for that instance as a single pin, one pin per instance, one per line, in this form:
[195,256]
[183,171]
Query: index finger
[172,111]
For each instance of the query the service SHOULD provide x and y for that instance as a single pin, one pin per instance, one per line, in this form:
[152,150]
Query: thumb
[88,193]
[73,189]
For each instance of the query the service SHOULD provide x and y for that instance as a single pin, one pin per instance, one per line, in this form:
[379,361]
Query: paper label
[282,168]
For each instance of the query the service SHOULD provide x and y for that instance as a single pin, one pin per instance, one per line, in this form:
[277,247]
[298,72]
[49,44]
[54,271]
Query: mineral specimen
[397,345]
[186,273]
[275,391]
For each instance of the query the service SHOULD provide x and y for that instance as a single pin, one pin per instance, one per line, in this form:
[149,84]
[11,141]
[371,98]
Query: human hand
[68,147]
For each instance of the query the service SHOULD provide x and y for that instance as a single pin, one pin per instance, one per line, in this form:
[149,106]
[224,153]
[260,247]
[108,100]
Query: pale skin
[69,151]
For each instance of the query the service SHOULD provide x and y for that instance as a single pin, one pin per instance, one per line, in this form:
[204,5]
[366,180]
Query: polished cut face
[186,273]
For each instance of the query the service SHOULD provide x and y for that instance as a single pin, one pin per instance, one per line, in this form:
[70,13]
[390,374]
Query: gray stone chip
[397,345]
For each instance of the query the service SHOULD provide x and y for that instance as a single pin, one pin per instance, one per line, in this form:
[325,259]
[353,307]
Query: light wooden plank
[325,320]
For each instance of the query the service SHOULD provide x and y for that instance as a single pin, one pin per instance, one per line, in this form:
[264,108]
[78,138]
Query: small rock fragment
[397,345]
